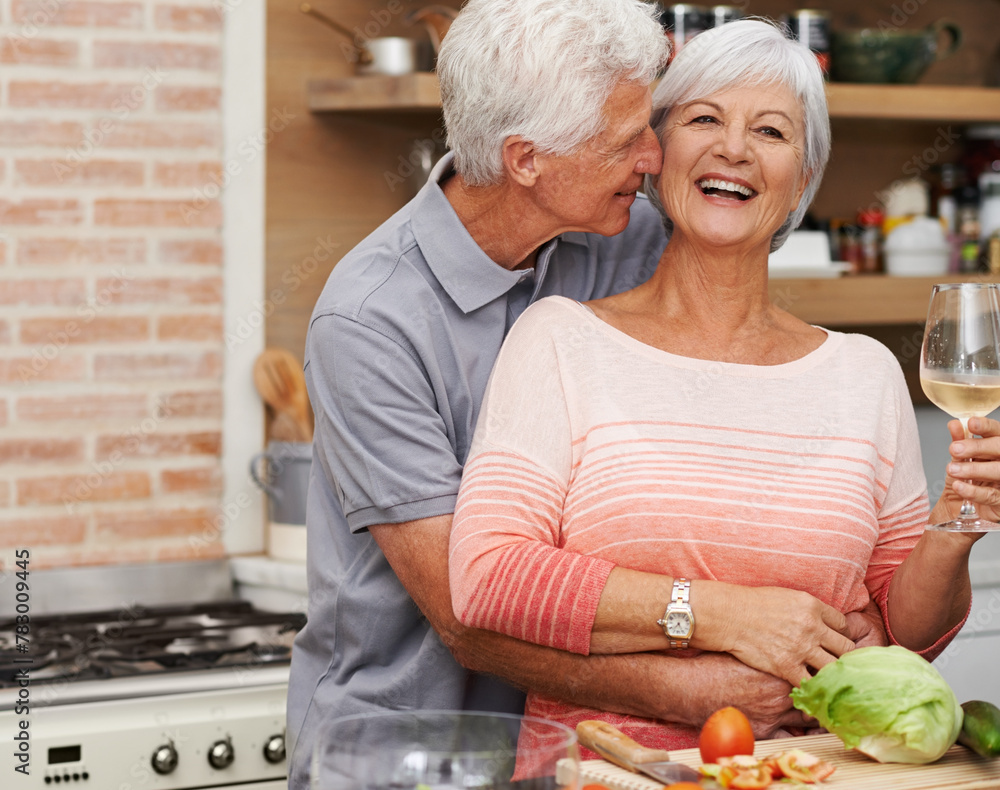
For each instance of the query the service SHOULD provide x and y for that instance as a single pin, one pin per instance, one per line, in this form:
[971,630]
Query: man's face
[592,188]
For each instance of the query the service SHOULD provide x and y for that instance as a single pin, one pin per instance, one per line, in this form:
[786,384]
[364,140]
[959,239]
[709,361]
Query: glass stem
[968,510]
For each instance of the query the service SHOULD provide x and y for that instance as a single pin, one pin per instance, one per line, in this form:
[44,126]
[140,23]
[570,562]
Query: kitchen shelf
[419,92]
[409,92]
[861,300]
[959,103]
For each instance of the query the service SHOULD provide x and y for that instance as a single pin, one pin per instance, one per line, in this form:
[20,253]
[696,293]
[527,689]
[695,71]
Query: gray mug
[285,479]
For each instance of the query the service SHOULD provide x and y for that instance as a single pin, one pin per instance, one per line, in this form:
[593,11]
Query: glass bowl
[434,750]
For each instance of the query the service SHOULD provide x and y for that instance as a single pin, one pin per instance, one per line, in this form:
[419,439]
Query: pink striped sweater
[595,450]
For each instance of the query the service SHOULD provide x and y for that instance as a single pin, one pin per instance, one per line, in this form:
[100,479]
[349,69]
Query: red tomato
[685,786]
[726,733]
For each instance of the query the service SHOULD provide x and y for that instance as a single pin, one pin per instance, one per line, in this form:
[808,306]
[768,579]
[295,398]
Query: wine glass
[435,750]
[960,366]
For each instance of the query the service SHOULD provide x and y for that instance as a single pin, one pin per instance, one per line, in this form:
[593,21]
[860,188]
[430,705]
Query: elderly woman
[686,466]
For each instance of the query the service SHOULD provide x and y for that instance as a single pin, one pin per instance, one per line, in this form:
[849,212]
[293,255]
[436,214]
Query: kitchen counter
[271,584]
[959,769]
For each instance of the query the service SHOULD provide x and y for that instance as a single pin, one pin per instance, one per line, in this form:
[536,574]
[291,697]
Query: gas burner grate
[139,640]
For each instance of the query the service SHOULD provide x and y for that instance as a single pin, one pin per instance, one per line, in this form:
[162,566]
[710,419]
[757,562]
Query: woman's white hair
[743,53]
[541,69]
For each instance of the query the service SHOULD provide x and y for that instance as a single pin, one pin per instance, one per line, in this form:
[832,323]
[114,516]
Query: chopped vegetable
[802,766]
[743,772]
[885,702]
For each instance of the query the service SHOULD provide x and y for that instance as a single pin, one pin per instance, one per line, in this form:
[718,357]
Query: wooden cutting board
[959,769]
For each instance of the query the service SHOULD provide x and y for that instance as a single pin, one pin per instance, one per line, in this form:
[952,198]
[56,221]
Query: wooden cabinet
[842,302]
[336,176]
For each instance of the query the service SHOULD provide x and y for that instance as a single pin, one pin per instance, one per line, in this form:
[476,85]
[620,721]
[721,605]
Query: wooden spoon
[278,376]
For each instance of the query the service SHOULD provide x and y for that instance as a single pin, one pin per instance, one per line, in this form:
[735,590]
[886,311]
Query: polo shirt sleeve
[378,432]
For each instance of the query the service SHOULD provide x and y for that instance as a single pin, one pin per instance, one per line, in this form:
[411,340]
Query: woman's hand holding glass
[969,476]
[960,373]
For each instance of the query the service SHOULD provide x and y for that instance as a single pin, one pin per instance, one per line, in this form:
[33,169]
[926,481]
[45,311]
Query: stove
[172,697]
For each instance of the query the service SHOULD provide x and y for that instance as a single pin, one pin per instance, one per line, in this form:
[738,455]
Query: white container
[917,249]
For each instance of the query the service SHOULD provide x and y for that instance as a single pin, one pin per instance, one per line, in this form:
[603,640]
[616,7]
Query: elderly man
[547,108]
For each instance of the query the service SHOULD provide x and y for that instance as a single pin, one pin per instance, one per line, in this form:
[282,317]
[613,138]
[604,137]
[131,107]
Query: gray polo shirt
[400,346]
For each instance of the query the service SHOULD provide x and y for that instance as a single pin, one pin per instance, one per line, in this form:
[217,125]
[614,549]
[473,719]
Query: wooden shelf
[959,103]
[861,300]
[406,93]
[419,92]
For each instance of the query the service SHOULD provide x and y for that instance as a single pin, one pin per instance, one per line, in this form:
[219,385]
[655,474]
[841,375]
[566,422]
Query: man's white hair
[740,54]
[541,69]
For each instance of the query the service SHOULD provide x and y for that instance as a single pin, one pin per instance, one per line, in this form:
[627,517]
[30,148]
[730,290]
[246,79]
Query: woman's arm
[652,685]
[509,575]
[930,592]
[773,629]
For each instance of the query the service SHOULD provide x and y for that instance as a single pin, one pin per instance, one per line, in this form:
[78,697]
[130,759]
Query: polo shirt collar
[469,276]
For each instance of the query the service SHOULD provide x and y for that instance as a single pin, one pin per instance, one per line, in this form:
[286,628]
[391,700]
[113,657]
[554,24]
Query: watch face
[678,624]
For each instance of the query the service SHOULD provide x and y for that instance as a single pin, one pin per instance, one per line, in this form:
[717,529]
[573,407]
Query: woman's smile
[736,150]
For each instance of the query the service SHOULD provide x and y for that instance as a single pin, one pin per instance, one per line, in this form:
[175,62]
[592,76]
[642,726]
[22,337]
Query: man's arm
[653,685]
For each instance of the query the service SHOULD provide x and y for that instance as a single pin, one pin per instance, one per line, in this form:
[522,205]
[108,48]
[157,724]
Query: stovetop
[141,641]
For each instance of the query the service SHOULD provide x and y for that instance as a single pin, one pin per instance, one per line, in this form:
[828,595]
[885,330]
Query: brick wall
[111,345]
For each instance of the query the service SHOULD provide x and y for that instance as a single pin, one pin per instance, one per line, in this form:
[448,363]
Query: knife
[616,747]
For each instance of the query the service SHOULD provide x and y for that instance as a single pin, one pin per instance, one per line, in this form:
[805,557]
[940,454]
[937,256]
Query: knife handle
[615,746]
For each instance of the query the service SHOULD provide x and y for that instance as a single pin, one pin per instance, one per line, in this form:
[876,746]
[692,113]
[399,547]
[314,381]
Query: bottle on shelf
[945,204]
[870,240]
[968,229]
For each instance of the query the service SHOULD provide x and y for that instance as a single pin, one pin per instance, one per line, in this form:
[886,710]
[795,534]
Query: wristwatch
[678,620]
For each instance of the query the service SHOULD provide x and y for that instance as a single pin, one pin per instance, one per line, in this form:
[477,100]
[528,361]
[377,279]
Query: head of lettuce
[885,702]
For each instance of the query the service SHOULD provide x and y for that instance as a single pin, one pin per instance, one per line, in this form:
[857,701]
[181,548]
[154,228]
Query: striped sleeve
[509,570]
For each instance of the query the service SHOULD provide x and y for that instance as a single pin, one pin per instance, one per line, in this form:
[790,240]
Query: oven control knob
[165,758]
[221,754]
[274,749]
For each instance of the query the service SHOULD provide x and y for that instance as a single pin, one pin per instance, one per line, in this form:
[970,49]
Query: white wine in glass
[960,366]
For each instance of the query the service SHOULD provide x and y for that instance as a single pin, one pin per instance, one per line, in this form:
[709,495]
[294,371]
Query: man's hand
[867,627]
[762,697]
[685,690]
